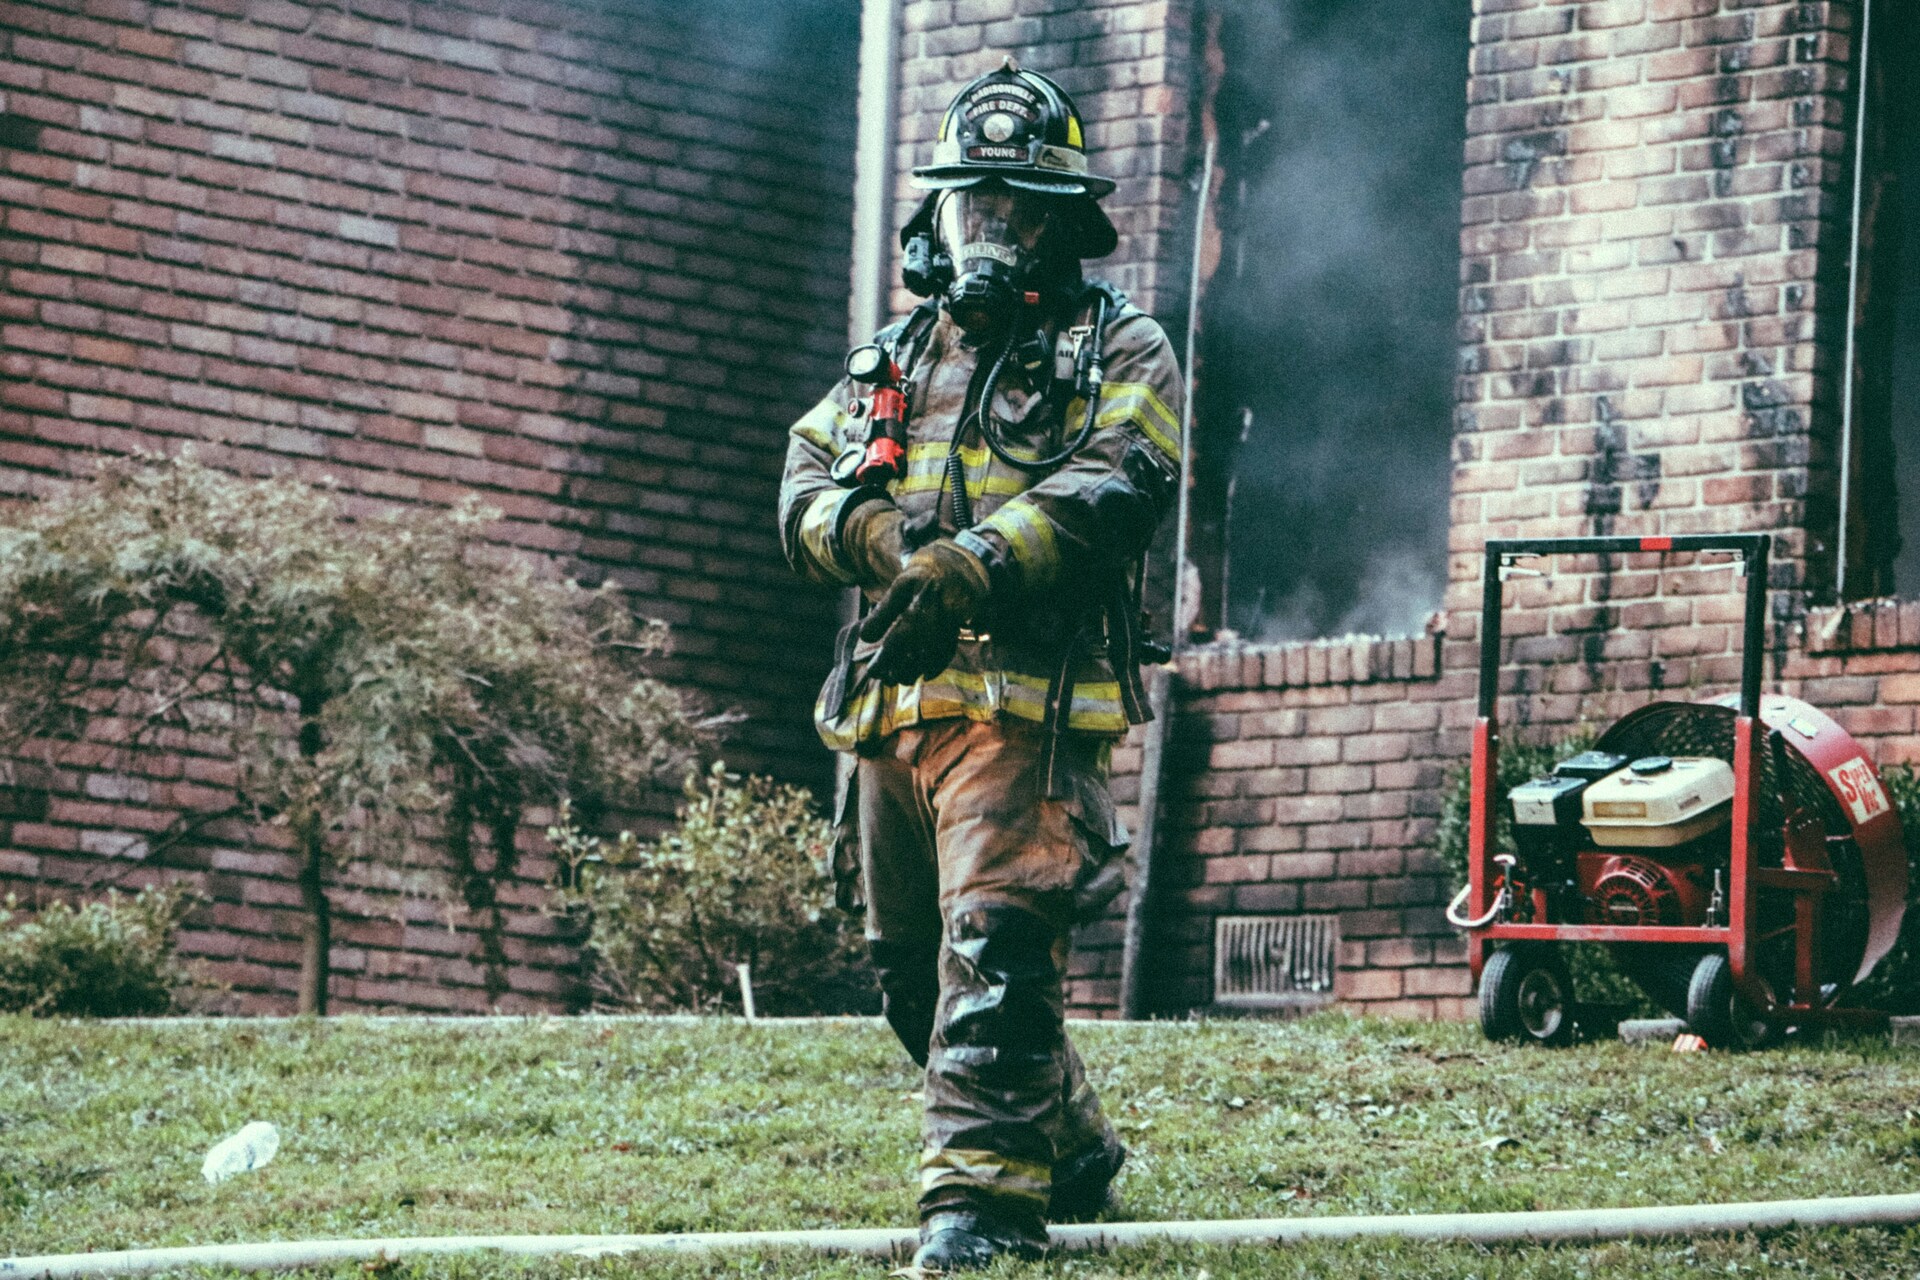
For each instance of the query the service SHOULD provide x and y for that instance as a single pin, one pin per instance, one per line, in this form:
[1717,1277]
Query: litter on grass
[246,1150]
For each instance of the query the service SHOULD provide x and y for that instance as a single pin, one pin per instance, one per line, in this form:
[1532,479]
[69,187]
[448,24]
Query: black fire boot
[968,1240]
[1083,1183]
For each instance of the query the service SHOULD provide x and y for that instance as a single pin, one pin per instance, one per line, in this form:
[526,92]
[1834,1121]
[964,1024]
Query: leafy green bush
[1894,984]
[743,877]
[105,959]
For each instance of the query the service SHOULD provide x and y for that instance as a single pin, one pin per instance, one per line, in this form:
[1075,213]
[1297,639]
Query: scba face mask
[993,236]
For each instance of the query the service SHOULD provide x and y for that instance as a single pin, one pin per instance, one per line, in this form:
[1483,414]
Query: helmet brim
[949,177]
[1091,232]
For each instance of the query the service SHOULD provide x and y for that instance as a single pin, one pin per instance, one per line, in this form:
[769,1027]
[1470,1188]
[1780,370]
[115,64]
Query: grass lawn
[557,1126]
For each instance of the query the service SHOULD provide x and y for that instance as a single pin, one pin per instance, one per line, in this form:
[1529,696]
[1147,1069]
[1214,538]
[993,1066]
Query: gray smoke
[1330,323]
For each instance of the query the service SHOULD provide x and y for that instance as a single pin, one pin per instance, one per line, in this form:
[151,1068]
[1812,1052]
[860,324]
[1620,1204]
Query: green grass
[557,1126]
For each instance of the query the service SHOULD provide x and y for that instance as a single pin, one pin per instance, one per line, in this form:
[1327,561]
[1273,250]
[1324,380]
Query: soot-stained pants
[971,873]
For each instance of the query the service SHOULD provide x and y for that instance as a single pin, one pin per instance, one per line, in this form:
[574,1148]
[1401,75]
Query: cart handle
[1752,548]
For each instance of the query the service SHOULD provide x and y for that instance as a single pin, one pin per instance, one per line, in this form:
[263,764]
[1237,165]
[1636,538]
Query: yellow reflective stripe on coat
[982,695]
[927,472]
[817,542]
[922,479]
[1029,535]
[1138,403]
[974,455]
[876,711]
[987,1171]
[843,729]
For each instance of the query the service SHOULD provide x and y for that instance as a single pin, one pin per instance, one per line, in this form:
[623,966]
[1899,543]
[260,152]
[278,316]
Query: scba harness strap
[1118,617]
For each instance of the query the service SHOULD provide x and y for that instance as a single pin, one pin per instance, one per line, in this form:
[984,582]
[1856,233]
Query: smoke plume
[1326,388]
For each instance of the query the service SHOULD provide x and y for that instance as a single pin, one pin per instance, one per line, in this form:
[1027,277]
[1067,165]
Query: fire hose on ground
[1551,1226]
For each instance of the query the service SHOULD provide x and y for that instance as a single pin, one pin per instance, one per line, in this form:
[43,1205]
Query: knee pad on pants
[1003,1014]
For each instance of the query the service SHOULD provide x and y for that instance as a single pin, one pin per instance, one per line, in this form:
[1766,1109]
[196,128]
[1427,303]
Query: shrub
[387,687]
[744,876]
[106,959]
[1894,984]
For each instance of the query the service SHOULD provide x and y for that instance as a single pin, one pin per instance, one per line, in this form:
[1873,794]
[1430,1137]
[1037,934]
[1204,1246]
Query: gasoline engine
[1629,842]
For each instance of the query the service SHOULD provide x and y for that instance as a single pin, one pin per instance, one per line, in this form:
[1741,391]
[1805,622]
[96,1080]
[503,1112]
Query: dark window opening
[1324,402]
[1881,502]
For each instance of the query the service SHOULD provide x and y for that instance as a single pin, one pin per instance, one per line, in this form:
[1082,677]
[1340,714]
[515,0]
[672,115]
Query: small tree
[743,878]
[384,687]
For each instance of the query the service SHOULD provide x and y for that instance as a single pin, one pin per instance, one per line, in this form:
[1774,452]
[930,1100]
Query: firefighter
[989,477]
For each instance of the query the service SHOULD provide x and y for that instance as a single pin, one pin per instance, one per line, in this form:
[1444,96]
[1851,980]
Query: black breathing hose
[960,504]
[989,427]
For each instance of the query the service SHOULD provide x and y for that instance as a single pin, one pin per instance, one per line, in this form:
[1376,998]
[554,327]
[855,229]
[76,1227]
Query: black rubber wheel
[1719,1014]
[1526,994]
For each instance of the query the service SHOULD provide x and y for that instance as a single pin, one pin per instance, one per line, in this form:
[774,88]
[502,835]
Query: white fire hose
[1540,1227]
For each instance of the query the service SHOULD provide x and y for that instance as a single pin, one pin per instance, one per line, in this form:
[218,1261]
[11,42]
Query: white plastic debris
[250,1148]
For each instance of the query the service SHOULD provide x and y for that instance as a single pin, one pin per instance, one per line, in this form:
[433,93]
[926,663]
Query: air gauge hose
[1500,899]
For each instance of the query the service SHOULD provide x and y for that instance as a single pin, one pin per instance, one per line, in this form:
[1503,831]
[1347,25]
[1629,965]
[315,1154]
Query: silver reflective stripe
[1060,158]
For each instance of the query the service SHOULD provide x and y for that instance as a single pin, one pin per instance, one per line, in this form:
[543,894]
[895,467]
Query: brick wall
[1300,778]
[1649,188]
[1653,267]
[1652,310]
[1861,664]
[587,261]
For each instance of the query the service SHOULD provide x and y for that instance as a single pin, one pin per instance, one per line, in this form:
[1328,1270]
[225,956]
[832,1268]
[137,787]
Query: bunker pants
[972,876]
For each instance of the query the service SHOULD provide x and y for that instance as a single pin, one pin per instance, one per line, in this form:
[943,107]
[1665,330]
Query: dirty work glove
[918,621]
[873,544]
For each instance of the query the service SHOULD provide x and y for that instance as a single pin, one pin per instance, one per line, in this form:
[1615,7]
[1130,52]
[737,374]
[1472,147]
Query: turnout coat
[1059,546]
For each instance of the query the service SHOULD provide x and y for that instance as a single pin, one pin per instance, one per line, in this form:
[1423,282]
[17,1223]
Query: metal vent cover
[1274,962]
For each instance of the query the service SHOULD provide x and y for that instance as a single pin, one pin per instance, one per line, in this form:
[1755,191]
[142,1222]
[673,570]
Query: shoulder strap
[902,334]
[1116,300]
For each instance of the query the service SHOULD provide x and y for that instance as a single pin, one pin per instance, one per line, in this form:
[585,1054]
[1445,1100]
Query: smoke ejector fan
[1740,857]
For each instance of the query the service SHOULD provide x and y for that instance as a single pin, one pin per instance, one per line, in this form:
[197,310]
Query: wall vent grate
[1274,962]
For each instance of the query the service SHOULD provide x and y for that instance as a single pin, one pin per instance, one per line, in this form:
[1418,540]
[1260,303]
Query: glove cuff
[994,563]
[973,566]
[869,538]
[863,497]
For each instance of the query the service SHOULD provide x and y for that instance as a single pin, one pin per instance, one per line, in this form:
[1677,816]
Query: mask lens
[1011,220]
[991,234]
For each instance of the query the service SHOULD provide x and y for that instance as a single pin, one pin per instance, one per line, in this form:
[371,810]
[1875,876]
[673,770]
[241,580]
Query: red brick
[1368,984]
[227,269]
[1439,982]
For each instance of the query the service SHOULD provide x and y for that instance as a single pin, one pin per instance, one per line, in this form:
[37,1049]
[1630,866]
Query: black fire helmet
[1020,128]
